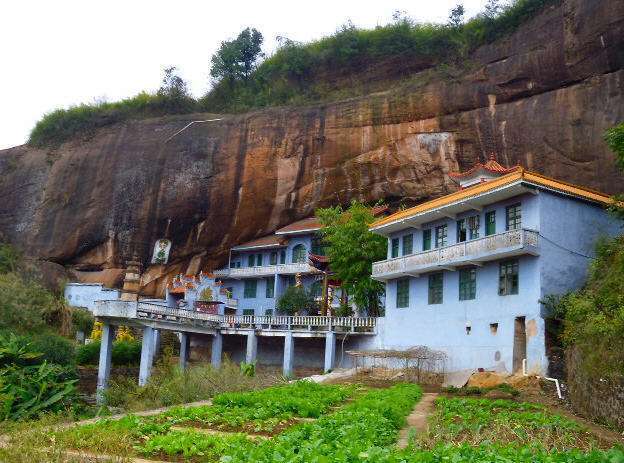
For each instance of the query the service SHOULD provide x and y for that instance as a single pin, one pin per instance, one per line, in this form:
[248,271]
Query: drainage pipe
[554,380]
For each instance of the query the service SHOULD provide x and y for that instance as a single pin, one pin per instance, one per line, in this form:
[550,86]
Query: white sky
[61,53]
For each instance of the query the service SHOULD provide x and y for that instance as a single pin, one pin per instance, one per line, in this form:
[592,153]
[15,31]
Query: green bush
[297,299]
[82,320]
[125,353]
[29,385]
[55,348]
[9,258]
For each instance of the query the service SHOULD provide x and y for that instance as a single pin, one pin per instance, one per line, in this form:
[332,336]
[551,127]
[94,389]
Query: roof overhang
[299,232]
[452,209]
[260,246]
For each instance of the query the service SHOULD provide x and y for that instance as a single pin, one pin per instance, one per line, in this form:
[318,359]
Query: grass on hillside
[333,67]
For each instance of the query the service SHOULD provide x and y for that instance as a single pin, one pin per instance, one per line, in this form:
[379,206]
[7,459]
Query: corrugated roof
[265,241]
[519,174]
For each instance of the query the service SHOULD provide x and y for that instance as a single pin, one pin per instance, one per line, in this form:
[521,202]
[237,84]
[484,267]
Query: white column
[289,354]
[330,351]
[216,351]
[252,347]
[104,365]
[156,337]
[147,355]
[185,349]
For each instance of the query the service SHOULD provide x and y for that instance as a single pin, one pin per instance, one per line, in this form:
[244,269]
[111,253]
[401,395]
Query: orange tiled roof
[491,165]
[269,240]
[518,174]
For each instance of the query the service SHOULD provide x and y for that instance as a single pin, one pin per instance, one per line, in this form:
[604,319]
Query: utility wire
[566,249]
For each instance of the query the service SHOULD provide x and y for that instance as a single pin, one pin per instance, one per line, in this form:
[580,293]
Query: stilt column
[289,351]
[147,355]
[104,366]
[185,349]
[252,347]
[330,351]
[216,351]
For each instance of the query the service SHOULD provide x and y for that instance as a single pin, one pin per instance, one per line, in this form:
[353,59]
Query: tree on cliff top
[237,59]
[352,249]
[615,139]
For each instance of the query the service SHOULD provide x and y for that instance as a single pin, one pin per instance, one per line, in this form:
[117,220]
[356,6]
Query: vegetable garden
[308,422]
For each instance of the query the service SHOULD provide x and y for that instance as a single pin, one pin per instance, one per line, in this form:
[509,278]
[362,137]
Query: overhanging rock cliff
[542,98]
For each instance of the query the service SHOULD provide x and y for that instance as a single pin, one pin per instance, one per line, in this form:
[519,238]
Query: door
[519,346]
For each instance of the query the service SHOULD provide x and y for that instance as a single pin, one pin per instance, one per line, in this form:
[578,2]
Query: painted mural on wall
[161,251]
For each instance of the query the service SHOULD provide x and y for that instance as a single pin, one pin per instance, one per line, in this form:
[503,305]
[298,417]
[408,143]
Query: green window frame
[268,312]
[270,288]
[299,254]
[508,277]
[441,236]
[249,291]
[282,256]
[251,260]
[273,258]
[408,244]
[436,288]
[427,239]
[316,289]
[473,227]
[249,312]
[259,260]
[402,293]
[513,217]
[394,248]
[462,231]
[467,284]
[490,223]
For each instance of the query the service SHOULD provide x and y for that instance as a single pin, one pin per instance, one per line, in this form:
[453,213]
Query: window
[473,227]
[290,281]
[467,284]
[318,247]
[426,239]
[441,236]
[508,278]
[394,248]
[316,290]
[268,312]
[402,293]
[251,260]
[513,217]
[270,288]
[435,288]
[462,233]
[490,223]
[282,257]
[259,260]
[250,289]
[299,254]
[273,258]
[248,311]
[408,244]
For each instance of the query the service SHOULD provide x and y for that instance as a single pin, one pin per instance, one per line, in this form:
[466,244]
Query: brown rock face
[542,98]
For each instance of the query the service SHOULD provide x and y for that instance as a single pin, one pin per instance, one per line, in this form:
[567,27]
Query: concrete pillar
[156,337]
[252,347]
[185,349]
[104,366]
[147,355]
[330,351]
[217,349]
[289,354]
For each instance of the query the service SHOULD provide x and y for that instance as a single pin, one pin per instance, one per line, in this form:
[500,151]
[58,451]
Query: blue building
[261,270]
[465,273]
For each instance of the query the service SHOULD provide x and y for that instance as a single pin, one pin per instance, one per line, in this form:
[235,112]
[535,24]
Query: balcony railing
[160,313]
[267,270]
[493,247]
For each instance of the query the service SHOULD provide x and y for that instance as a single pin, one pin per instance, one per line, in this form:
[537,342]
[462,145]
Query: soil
[417,420]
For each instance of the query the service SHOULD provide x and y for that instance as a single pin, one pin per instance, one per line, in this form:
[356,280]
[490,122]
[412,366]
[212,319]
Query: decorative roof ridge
[491,165]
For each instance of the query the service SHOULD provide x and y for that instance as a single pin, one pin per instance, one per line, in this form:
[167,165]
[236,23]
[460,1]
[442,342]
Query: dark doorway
[519,347]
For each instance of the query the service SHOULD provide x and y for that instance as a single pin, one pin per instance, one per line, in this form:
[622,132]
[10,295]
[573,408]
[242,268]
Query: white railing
[268,270]
[478,249]
[158,312]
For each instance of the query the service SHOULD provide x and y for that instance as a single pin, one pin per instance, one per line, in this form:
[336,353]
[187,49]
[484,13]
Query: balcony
[474,252]
[265,271]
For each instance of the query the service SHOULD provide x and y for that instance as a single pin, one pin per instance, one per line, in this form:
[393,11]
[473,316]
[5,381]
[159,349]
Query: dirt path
[417,420]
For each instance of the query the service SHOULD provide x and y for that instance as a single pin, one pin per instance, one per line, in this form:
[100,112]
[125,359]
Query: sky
[55,54]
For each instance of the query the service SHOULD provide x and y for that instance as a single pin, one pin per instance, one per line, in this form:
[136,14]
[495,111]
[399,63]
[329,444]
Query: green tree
[352,249]
[237,59]
[615,139]
[456,16]
[297,299]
